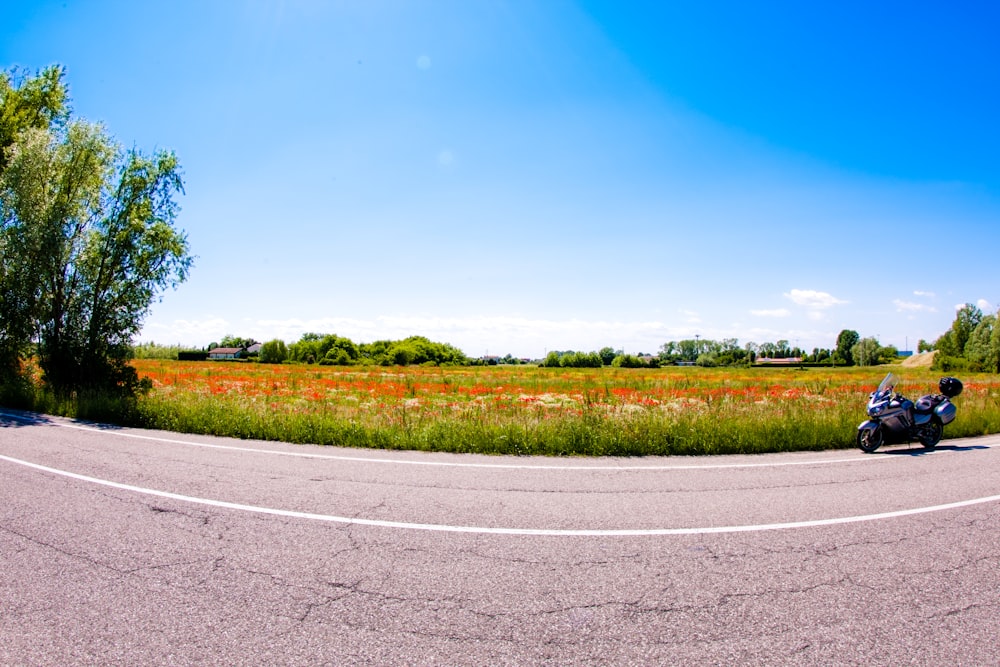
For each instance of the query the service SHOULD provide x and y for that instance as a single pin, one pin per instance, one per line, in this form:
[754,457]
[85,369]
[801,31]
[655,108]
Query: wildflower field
[531,410]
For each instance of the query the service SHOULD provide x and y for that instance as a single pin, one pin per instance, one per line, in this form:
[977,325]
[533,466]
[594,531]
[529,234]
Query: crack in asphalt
[204,519]
[60,550]
[964,610]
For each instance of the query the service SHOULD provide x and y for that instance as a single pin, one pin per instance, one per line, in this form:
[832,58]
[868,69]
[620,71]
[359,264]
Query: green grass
[522,411]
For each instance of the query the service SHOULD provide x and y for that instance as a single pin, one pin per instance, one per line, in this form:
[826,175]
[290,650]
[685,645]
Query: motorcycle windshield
[888,384]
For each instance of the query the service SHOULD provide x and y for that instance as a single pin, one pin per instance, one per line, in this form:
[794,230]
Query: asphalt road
[121,546]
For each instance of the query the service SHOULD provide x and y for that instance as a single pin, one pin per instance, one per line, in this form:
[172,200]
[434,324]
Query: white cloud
[910,307]
[981,304]
[929,295]
[813,299]
[183,332]
[774,312]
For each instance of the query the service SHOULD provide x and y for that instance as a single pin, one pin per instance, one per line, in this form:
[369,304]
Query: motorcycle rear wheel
[932,434]
[870,439]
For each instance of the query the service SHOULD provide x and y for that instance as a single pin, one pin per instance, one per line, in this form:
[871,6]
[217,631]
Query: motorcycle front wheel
[931,435]
[870,439]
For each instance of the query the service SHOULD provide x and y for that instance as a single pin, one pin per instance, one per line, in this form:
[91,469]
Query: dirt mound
[922,360]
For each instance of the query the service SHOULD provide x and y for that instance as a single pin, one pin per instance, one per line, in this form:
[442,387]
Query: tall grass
[516,410]
[527,410]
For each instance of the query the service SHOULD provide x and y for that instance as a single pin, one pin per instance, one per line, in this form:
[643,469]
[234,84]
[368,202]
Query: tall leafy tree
[967,318]
[866,352]
[91,228]
[983,347]
[952,343]
[273,352]
[27,102]
[846,340]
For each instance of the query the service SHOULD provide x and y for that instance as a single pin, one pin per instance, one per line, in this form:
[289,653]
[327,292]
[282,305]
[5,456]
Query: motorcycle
[895,418]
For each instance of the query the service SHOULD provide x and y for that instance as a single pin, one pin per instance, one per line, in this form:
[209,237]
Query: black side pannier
[950,387]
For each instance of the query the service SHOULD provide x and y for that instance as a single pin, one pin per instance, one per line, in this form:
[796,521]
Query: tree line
[972,343]
[333,350]
[850,350]
[87,241]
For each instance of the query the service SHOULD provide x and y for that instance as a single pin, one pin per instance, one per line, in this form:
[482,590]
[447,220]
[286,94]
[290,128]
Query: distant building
[225,353]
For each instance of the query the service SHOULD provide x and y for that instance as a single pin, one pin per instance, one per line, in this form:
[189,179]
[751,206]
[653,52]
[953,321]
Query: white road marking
[548,532]
[454,464]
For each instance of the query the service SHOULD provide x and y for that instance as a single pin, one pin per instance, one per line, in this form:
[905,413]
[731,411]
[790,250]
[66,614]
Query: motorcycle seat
[926,404]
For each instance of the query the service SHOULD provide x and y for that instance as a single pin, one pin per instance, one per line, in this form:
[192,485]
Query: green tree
[273,352]
[888,354]
[551,360]
[846,340]
[945,345]
[607,355]
[866,352]
[411,351]
[90,228]
[306,349]
[627,361]
[669,351]
[30,102]
[377,352]
[570,359]
[983,347]
[688,349]
[153,350]
[338,351]
[26,103]
[951,345]
[236,341]
[967,319]
[707,359]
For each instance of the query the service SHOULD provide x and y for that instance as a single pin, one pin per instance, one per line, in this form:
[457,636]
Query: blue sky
[523,176]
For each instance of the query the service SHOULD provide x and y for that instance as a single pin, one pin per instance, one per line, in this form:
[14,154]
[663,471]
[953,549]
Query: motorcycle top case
[950,387]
